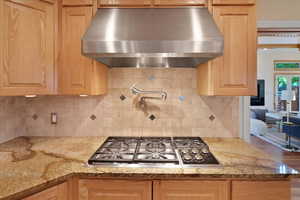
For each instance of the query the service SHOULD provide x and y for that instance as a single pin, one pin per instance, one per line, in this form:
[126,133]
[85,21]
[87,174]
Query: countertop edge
[145,176]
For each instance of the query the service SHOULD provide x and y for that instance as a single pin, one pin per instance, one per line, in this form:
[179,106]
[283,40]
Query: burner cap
[156,147]
[199,157]
[195,150]
[187,157]
[205,150]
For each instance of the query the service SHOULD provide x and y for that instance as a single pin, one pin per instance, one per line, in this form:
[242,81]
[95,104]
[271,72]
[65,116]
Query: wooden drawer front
[77,2]
[114,190]
[180,2]
[261,190]
[58,192]
[191,190]
[233,2]
[125,3]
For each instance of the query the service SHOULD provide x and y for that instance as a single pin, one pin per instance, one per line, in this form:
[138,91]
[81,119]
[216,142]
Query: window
[291,83]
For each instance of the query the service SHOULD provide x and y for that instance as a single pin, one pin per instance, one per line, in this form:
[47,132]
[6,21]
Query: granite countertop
[29,163]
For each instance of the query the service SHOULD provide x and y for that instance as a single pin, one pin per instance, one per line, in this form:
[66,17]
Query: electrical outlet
[54,118]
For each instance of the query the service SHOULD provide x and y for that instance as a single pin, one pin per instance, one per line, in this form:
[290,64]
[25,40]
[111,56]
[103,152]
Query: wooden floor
[289,158]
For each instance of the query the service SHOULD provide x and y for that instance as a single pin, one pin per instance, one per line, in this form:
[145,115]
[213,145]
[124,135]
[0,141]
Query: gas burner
[118,146]
[156,147]
[193,150]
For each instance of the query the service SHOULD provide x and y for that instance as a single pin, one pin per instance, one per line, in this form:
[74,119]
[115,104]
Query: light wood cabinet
[191,190]
[233,2]
[58,192]
[77,2]
[234,73]
[180,3]
[27,41]
[124,3]
[78,75]
[261,190]
[114,190]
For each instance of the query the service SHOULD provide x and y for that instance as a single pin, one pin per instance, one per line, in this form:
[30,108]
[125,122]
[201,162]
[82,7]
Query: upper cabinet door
[75,69]
[125,3]
[235,72]
[180,2]
[27,47]
[234,2]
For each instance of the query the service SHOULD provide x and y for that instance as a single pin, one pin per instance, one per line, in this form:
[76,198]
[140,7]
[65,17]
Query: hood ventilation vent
[152,37]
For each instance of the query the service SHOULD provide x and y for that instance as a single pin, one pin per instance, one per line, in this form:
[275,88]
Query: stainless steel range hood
[152,37]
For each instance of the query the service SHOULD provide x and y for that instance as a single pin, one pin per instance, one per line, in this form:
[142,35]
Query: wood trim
[77,2]
[50,1]
[275,46]
[276,30]
[233,2]
[179,3]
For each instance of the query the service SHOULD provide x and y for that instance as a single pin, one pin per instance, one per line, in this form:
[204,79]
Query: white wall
[265,69]
[278,9]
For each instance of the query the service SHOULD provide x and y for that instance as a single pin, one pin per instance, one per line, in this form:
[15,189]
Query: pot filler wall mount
[152,37]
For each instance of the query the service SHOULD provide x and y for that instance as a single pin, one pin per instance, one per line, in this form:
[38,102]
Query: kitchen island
[33,164]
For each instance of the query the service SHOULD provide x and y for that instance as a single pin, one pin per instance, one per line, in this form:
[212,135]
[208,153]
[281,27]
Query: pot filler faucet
[136,91]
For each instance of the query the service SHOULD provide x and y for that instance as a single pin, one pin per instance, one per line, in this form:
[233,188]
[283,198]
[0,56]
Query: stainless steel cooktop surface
[153,151]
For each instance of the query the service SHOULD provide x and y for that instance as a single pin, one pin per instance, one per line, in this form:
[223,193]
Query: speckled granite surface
[29,163]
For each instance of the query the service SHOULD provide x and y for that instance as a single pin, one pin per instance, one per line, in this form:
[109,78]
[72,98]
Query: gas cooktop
[150,151]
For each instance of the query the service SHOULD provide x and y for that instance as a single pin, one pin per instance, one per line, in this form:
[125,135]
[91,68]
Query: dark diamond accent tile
[93,117]
[152,117]
[212,118]
[122,97]
[35,117]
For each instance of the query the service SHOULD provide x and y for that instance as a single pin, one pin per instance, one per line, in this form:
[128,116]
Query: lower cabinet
[191,190]
[261,190]
[108,189]
[59,192]
[114,190]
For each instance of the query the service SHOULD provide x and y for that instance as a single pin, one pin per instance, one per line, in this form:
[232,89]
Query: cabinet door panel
[233,2]
[75,69]
[180,3]
[235,72]
[114,190]
[27,64]
[55,193]
[191,190]
[261,190]
[103,3]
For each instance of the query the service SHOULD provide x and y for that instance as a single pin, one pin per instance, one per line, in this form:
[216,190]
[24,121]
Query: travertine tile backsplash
[183,113]
[11,120]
